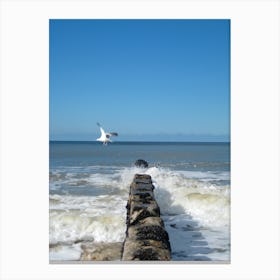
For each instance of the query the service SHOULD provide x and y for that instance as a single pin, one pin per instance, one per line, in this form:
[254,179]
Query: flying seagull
[105,136]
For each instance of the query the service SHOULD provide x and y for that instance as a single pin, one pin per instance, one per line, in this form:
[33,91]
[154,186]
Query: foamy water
[87,209]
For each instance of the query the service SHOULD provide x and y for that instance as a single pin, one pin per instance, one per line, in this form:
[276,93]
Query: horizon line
[149,141]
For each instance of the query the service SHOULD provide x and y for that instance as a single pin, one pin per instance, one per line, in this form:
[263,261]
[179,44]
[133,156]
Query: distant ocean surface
[88,192]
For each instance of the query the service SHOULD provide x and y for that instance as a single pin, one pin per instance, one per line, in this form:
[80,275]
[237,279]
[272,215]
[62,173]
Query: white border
[254,136]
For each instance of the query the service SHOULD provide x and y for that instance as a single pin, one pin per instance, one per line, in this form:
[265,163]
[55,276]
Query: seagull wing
[103,134]
[113,134]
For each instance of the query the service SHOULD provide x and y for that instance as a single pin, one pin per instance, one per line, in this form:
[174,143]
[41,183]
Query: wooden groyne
[146,238]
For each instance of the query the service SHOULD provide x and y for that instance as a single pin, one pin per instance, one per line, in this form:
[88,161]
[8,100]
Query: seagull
[105,136]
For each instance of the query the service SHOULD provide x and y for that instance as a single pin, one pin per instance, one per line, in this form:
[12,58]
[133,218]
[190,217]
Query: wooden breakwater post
[146,237]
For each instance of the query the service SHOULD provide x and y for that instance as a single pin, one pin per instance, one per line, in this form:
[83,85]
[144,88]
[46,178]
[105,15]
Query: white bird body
[105,136]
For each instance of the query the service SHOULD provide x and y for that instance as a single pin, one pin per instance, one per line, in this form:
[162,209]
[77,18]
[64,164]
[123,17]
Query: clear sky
[155,80]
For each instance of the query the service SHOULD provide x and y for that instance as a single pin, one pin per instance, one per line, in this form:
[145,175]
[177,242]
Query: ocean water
[88,192]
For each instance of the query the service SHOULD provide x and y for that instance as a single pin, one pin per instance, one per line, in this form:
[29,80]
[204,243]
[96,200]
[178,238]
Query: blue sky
[151,80]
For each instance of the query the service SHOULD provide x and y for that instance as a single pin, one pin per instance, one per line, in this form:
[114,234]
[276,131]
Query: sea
[88,191]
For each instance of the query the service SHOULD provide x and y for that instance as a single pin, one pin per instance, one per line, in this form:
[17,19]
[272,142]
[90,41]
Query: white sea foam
[177,194]
[65,253]
[209,175]
[75,218]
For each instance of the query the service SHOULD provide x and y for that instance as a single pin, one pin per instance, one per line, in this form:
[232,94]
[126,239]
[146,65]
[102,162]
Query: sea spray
[177,194]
